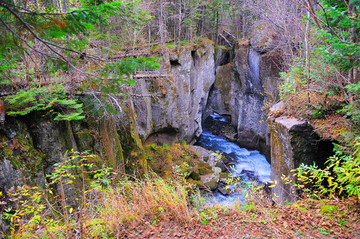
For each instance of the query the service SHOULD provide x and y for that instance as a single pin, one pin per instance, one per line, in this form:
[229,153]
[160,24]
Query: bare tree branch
[47,43]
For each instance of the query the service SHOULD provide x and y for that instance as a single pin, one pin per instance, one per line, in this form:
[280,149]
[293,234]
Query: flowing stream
[250,165]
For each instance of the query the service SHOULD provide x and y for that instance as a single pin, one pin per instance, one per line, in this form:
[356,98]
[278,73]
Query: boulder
[225,191]
[211,180]
[207,156]
[277,110]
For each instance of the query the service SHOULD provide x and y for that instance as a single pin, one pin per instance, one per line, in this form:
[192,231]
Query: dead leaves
[302,220]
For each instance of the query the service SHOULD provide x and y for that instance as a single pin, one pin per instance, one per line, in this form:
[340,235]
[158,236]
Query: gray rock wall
[293,142]
[166,109]
[175,114]
[31,145]
[241,89]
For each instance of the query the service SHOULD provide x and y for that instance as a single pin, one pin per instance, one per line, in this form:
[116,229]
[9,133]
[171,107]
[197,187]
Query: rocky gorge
[191,85]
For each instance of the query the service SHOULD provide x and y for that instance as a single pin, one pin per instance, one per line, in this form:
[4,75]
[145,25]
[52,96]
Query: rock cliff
[176,113]
[160,110]
[242,86]
[31,145]
[293,142]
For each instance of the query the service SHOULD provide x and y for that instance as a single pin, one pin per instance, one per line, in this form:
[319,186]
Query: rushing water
[246,162]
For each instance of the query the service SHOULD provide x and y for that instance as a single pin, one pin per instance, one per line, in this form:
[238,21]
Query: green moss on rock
[22,154]
[204,168]
[166,159]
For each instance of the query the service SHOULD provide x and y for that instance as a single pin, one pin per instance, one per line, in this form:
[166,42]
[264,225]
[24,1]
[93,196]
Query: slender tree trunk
[161,23]
[353,74]
[307,54]
[63,6]
[179,26]
[217,27]
[2,111]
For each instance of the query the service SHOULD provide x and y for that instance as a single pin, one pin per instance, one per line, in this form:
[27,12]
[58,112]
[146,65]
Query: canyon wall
[293,142]
[243,85]
[158,109]
[167,107]
[174,112]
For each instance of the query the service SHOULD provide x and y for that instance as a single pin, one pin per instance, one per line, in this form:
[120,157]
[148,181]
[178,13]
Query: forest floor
[304,219]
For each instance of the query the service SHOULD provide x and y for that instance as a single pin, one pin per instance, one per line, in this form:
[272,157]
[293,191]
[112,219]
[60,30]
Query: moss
[195,176]
[212,185]
[204,42]
[111,144]
[302,208]
[204,168]
[328,210]
[164,159]
[22,154]
[197,183]
[221,49]
[140,159]
[85,139]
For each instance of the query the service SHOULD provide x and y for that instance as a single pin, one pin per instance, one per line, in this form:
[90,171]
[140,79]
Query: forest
[104,105]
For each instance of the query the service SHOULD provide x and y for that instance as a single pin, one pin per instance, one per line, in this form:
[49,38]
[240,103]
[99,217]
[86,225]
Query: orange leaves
[55,23]
[59,23]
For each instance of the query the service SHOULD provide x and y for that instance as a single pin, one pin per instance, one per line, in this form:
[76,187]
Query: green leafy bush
[43,212]
[293,80]
[82,201]
[341,177]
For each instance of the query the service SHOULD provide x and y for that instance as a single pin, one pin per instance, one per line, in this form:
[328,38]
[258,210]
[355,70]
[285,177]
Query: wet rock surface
[241,89]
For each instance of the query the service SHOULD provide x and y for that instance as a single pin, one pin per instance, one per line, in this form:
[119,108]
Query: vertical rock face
[31,145]
[293,142]
[165,109]
[252,129]
[241,88]
[176,111]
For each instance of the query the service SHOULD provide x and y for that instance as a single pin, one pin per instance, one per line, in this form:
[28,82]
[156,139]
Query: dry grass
[154,208]
[330,124]
[134,202]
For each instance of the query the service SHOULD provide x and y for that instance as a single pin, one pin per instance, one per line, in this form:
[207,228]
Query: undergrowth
[87,200]
[82,201]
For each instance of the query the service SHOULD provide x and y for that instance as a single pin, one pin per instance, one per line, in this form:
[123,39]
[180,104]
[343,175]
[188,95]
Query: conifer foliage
[49,47]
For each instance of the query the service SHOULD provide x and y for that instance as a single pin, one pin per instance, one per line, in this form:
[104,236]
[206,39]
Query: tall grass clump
[132,202]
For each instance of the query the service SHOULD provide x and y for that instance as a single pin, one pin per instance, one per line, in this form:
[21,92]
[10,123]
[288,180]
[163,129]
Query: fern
[45,98]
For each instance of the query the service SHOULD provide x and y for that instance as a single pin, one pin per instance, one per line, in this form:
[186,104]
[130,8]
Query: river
[250,165]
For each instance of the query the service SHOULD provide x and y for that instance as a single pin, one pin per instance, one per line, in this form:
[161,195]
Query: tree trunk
[217,27]
[161,23]
[353,74]
[307,54]
[179,26]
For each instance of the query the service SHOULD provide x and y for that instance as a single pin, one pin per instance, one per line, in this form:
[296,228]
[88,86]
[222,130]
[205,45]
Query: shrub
[341,177]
